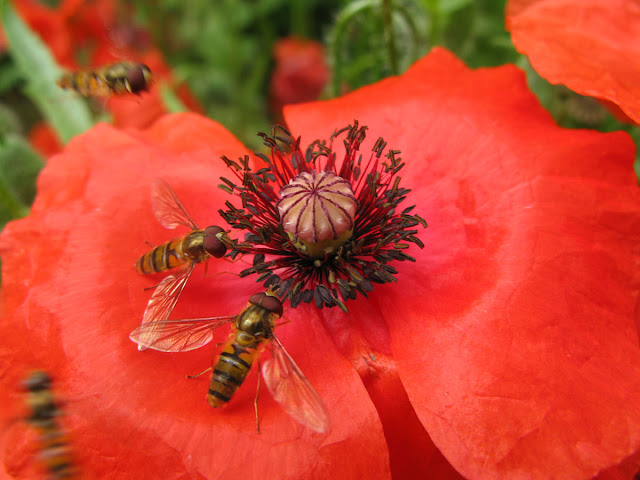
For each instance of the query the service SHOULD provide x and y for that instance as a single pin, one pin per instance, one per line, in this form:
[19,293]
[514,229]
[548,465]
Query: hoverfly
[253,329]
[43,412]
[182,253]
[115,79]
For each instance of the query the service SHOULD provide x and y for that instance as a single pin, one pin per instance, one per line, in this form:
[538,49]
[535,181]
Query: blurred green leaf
[449,6]
[10,77]
[19,168]
[171,101]
[66,113]
[9,121]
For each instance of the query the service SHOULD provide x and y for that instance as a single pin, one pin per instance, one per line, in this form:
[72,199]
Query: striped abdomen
[254,327]
[44,412]
[232,367]
[173,254]
[161,258]
[85,83]
[55,452]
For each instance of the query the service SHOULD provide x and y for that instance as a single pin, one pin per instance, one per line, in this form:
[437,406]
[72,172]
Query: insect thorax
[192,246]
[256,321]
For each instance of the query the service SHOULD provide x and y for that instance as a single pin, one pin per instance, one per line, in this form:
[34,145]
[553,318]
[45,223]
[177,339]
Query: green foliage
[19,167]
[36,65]
[372,39]
[11,76]
[223,50]
[171,101]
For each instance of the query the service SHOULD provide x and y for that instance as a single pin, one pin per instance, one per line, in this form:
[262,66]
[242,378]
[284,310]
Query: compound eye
[212,244]
[136,78]
[268,302]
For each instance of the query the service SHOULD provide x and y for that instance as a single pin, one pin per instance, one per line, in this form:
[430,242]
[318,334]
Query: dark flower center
[319,229]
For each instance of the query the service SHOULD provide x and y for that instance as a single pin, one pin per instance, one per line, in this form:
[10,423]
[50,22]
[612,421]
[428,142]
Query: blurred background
[235,61]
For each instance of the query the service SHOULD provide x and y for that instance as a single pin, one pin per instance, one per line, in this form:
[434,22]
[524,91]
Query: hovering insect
[115,79]
[181,253]
[43,414]
[253,329]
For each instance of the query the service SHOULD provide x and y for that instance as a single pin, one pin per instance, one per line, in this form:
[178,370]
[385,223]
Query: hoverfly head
[139,78]
[268,302]
[212,244]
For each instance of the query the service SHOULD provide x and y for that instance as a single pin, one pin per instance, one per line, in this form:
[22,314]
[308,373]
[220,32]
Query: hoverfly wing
[167,208]
[291,389]
[177,335]
[163,301]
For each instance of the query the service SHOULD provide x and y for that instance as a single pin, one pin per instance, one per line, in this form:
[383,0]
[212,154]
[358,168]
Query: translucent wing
[167,208]
[163,301]
[293,391]
[177,335]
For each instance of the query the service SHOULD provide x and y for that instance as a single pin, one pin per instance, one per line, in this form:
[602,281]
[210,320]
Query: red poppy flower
[43,138]
[588,45]
[509,342]
[300,73]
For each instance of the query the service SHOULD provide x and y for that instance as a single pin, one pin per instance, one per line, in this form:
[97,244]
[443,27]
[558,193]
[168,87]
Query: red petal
[300,74]
[71,297]
[44,139]
[514,331]
[590,46]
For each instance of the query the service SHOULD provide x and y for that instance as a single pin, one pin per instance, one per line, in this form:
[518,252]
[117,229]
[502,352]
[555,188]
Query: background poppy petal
[596,53]
[513,332]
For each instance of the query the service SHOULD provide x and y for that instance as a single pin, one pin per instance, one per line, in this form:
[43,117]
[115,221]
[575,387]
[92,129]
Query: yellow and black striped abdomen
[232,368]
[56,453]
[44,413]
[163,257]
[85,83]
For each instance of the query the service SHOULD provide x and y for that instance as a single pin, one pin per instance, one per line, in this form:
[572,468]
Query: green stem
[415,35]
[170,99]
[433,8]
[300,18]
[343,19]
[387,19]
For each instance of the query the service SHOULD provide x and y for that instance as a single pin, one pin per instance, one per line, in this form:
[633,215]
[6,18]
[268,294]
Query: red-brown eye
[268,302]
[136,78]
[212,244]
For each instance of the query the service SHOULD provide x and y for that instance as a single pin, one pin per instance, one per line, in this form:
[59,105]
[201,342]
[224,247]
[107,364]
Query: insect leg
[283,323]
[255,402]
[206,270]
[212,357]
[198,374]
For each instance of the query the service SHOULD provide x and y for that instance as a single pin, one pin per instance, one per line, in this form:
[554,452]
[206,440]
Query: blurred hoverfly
[115,79]
[253,329]
[182,253]
[43,411]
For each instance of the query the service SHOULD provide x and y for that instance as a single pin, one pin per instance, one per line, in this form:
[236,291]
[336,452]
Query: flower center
[321,229]
[317,211]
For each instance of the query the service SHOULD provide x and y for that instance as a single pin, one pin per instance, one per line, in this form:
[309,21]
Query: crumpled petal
[71,296]
[591,46]
[513,332]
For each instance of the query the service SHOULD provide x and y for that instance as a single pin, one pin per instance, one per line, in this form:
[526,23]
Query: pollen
[317,211]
